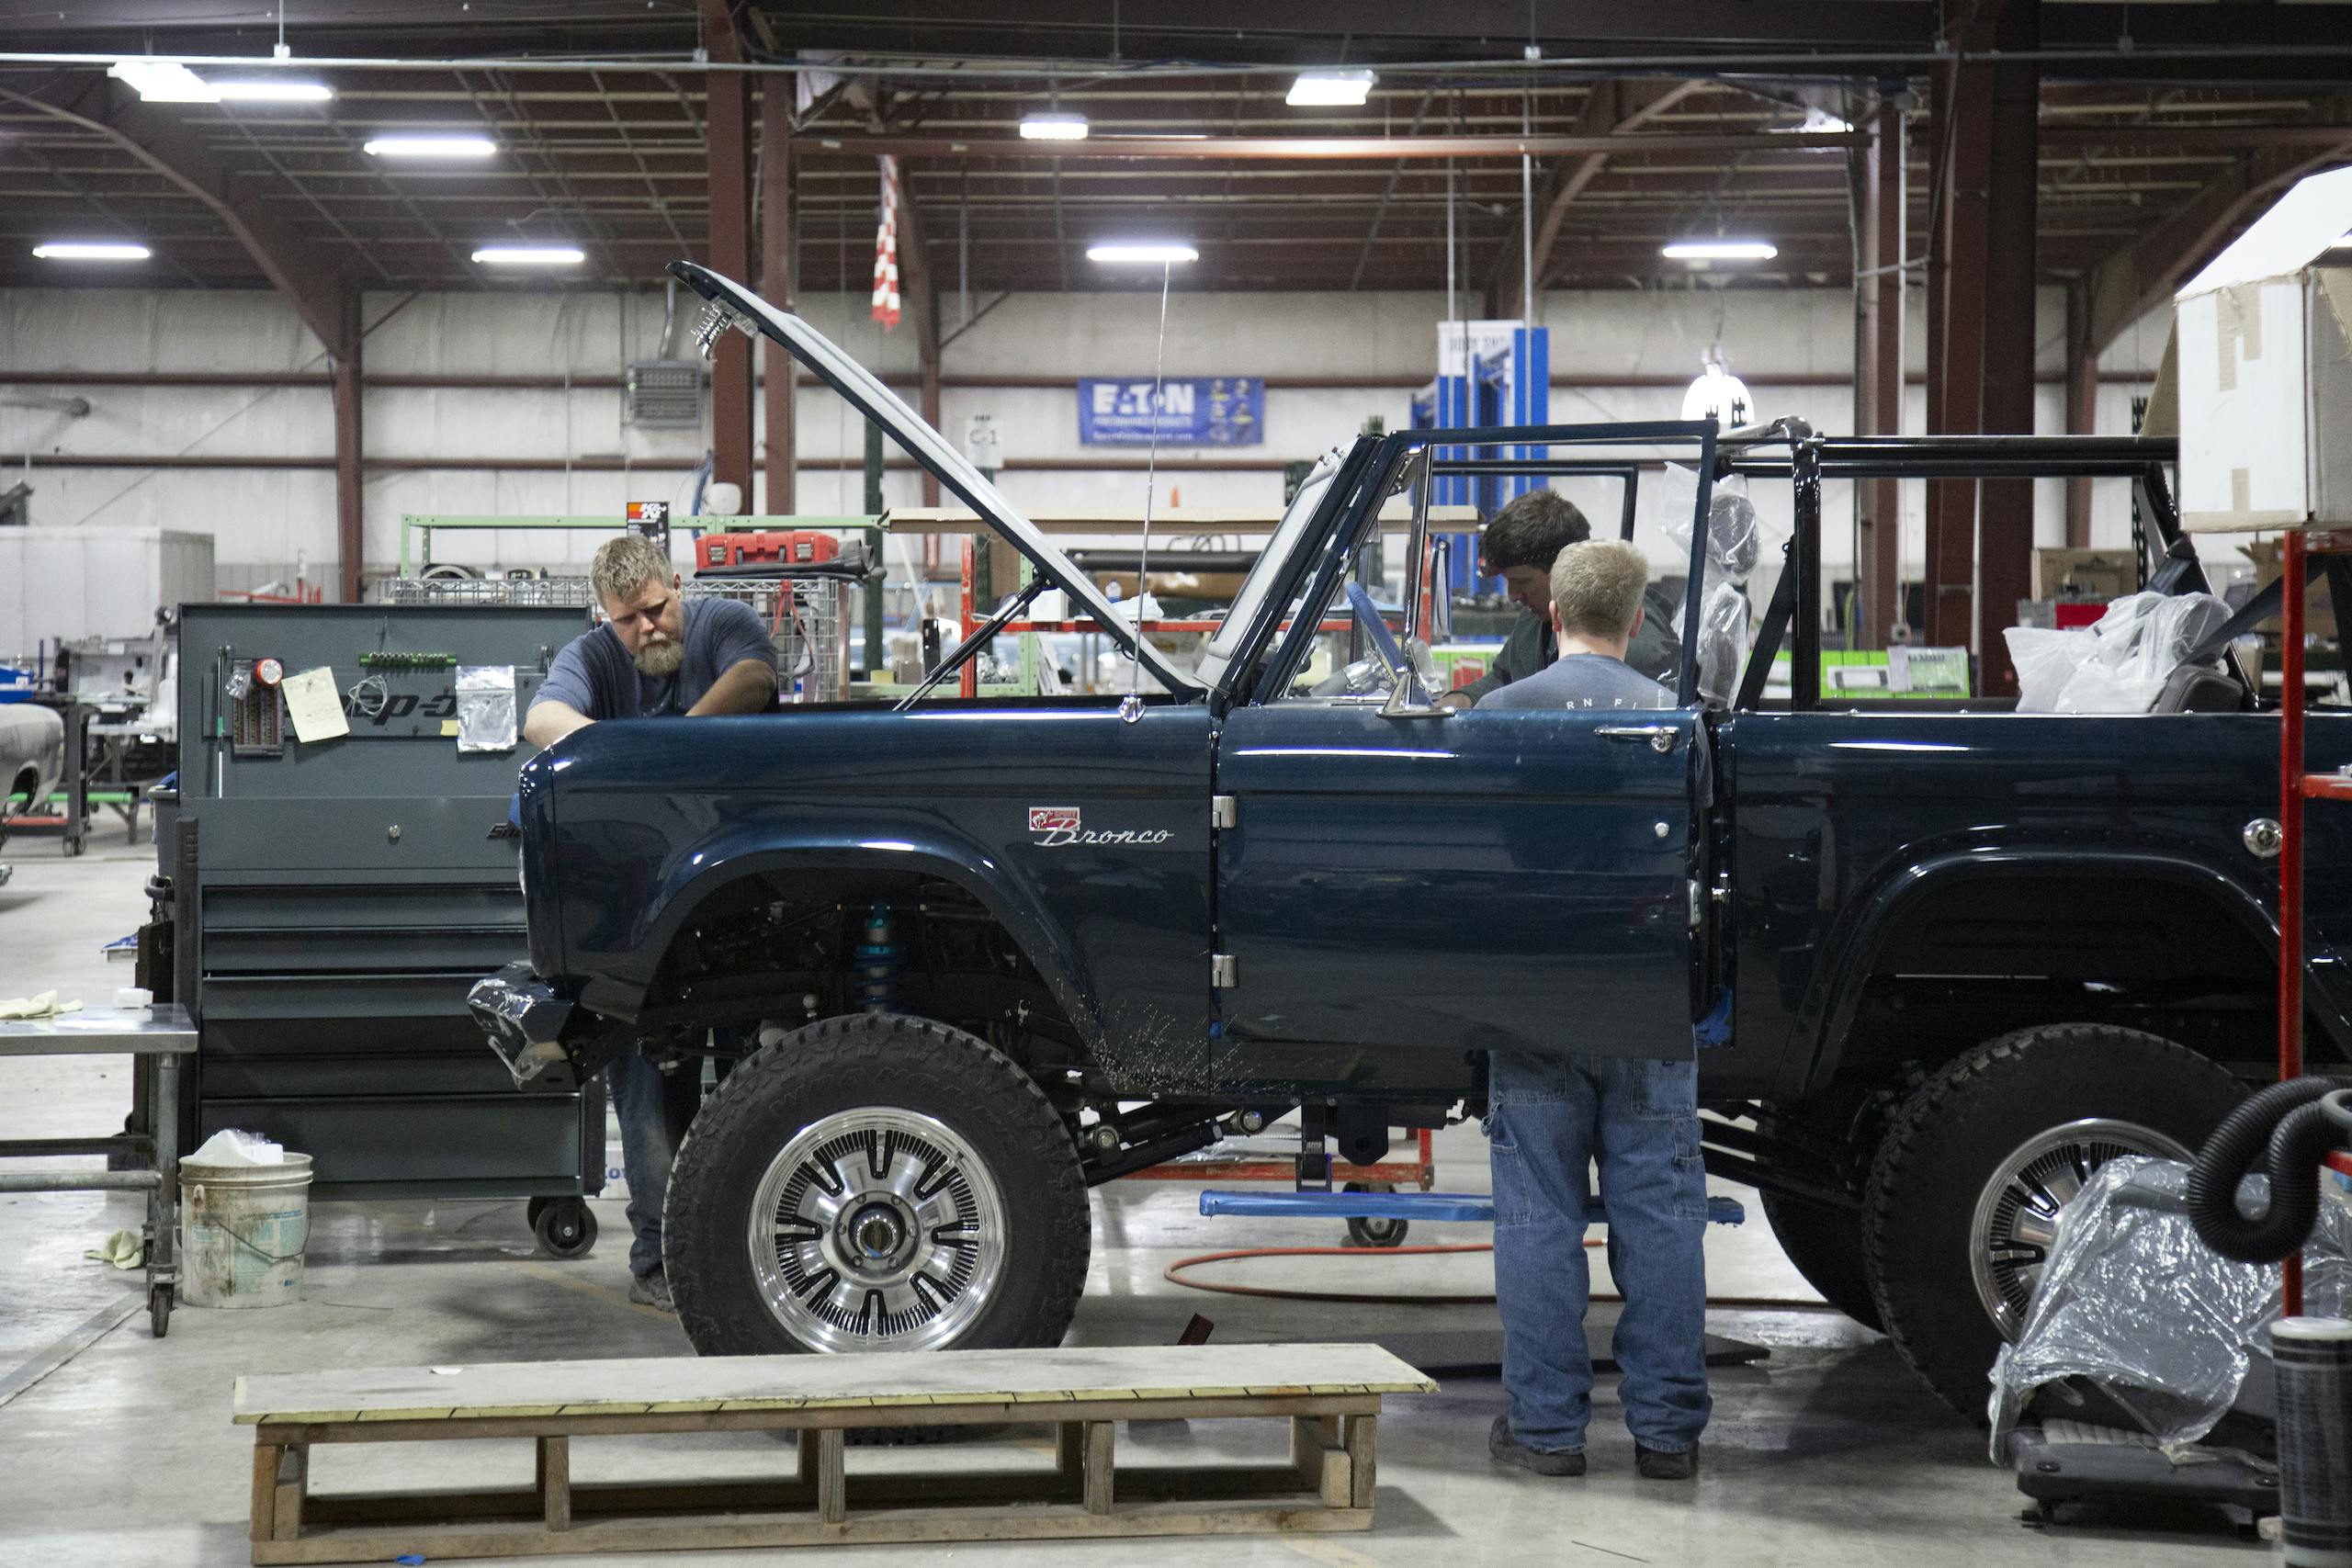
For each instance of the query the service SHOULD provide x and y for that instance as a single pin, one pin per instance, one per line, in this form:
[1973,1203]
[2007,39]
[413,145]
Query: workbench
[155,1038]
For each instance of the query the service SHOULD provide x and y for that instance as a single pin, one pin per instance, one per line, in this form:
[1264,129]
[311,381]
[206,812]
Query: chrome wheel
[877,1229]
[2017,1214]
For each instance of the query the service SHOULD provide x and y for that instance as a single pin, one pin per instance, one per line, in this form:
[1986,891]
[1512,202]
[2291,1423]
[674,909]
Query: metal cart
[157,1038]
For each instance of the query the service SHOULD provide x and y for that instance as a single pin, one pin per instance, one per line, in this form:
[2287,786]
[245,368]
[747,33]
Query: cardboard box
[2319,609]
[2263,340]
[2084,574]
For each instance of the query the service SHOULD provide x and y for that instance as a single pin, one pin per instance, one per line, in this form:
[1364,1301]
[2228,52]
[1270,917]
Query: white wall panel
[266,520]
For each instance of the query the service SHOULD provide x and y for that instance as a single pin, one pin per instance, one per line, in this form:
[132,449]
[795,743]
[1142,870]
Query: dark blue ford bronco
[966,958]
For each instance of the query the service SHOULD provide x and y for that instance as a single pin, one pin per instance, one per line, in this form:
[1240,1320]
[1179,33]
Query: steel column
[1963,117]
[776,284]
[2005,531]
[729,152]
[350,516]
[1879,410]
[2082,406]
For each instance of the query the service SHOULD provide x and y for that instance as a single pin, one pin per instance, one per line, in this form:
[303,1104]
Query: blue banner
[1194,411]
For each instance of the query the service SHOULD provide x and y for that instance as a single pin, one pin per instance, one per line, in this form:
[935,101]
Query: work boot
[1503,1445]
[1655,1464]
[653,1290]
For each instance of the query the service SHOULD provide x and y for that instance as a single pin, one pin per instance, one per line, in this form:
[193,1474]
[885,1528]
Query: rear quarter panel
[1832,814]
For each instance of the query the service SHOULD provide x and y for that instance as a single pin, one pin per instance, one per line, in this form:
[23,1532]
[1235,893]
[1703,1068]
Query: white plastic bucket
[242,1233]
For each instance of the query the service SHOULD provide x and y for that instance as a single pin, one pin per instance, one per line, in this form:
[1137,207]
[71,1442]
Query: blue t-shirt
[1582,680]
[596,675]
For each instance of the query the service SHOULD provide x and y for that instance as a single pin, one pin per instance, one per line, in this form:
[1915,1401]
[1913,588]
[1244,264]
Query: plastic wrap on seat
[2117,664]
[1734,542]
[2130,1299]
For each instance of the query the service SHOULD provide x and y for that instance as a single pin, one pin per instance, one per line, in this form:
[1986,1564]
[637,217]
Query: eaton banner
[1194,411]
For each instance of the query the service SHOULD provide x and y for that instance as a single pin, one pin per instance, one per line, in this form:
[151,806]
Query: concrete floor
[1828,1453]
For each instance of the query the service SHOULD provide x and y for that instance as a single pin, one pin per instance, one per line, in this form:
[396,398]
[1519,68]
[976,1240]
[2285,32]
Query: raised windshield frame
[866,393]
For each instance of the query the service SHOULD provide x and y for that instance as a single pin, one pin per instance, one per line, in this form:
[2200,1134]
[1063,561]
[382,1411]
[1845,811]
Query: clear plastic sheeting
[1734,542]
[2130,1299]
[2119,664]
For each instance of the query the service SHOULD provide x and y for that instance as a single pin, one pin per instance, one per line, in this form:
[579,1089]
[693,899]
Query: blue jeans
[654,1109]
[1550,1118]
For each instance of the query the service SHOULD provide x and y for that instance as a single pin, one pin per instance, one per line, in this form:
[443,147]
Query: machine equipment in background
[798,578]
[337,876]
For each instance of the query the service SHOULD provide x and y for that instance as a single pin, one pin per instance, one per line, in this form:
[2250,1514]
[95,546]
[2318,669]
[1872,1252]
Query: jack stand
[1314,1150]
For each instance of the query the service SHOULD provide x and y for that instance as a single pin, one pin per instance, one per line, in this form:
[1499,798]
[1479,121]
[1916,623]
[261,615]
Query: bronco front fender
[619,988]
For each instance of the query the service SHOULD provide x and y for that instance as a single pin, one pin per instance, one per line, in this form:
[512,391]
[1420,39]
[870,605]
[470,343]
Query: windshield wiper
[969,648]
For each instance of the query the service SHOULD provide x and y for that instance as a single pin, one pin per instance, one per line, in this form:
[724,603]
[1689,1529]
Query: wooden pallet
[1329,1394]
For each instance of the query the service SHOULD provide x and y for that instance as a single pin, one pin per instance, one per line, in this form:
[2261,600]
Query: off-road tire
[1946,1143]
[874,1060]
[1824,1245]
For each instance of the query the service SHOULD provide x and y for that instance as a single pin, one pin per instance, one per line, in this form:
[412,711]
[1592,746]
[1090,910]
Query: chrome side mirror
[1409,692]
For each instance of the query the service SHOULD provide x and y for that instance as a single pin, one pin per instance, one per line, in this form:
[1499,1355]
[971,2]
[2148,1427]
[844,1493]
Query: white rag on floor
[45,1005]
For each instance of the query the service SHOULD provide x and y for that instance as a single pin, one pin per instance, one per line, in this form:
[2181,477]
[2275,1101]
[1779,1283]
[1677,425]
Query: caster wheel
[564,1226]
[159,1310]
[1365,1230]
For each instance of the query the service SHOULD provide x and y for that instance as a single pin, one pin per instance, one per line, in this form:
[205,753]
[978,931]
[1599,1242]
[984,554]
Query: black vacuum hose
[2296,1124]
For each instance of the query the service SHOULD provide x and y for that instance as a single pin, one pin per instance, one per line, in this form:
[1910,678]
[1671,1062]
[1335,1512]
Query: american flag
[885,249]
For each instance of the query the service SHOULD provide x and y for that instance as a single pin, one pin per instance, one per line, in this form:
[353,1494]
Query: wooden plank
[1321,1462]
[897,1491]
[286,1505]
[1101,1440]
[264,1515]
[554,1481]
[832,1494]
[1163,1408]
[1034,1522]
[946,1380]
[1363,1438]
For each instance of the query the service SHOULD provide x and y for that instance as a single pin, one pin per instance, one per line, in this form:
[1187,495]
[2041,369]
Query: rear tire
[876,1182]
[1976,1164]
[1824,1245]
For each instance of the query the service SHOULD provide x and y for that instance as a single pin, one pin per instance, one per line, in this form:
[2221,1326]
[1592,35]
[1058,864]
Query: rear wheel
[1965,1191]
[876,1182]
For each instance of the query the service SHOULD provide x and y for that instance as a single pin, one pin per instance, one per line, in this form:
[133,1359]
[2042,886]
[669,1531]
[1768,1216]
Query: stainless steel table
[156,1038]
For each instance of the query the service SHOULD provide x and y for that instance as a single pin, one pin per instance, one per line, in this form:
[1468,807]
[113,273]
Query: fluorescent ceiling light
[1818,119]
[1053,127]
[530,255]
[91,250]
[1720,250]
[161,81]
[1325,87]
[1143,251]
[430,146]
[269,92]
[2343,244]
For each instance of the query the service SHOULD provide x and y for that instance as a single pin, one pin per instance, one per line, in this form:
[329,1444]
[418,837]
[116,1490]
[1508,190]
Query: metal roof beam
[307,274]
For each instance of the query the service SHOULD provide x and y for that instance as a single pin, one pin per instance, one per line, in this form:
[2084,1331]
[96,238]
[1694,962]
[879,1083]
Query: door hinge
[1225,811]
[1225,971]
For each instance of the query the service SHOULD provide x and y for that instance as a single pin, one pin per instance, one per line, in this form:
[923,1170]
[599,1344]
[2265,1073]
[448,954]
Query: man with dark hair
[1525,537]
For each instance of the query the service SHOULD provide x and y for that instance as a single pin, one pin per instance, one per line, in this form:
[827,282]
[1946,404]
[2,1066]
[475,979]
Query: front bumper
[524,1019]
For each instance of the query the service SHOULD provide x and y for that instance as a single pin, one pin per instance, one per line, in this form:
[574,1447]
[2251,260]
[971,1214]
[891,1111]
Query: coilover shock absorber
[877,961]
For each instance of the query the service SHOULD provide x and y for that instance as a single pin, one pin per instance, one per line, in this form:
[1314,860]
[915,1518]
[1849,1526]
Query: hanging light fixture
[1317,89]
[1717,394]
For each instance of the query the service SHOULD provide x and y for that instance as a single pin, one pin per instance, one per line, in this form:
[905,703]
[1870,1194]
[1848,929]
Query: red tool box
[722,552]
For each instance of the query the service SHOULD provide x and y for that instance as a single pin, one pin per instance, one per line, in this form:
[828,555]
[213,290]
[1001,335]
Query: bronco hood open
[867,393]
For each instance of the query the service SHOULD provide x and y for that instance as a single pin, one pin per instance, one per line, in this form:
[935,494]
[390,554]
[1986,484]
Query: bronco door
[1513,880]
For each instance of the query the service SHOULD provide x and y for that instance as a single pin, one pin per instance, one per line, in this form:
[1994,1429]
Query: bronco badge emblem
[1056,825]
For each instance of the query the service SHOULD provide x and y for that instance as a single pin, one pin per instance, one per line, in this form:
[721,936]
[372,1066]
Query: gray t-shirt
[1582,680]
[595,674]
